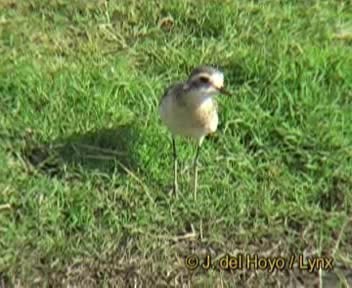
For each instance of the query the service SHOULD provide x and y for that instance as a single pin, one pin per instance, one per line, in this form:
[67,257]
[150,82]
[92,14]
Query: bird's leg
[195,168]
[175,187]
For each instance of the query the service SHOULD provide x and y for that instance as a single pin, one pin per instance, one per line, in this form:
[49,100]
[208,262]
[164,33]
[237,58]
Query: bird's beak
[222,90]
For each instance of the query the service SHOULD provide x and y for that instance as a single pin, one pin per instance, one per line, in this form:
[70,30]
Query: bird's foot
[173,192]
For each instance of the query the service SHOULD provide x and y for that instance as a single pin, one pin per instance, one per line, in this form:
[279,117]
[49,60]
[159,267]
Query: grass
[86,164]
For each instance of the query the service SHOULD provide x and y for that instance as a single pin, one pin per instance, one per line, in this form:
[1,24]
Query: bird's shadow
[98,150]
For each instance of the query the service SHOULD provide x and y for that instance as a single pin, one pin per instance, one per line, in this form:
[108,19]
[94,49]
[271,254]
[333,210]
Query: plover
[189,109]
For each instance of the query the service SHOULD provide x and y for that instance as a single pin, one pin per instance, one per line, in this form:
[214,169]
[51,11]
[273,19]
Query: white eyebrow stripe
[197,76]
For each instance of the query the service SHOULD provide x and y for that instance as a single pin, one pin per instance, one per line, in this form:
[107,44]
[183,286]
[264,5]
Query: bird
[189,109]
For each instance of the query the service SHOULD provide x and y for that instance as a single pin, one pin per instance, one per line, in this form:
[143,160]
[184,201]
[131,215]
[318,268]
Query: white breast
[194,120]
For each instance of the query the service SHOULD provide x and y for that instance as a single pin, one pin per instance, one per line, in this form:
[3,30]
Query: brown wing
[176,89]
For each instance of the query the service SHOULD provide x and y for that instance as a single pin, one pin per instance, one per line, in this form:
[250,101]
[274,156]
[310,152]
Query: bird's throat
[198,99]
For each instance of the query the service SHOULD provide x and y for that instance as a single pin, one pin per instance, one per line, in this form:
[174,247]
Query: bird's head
[206,80]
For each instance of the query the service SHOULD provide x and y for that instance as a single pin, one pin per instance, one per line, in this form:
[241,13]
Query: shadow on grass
[104,150]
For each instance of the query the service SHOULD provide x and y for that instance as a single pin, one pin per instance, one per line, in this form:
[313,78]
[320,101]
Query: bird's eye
[204,79]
